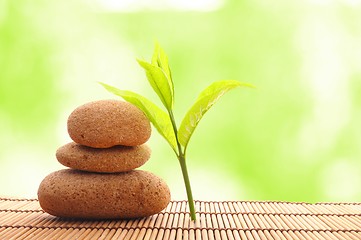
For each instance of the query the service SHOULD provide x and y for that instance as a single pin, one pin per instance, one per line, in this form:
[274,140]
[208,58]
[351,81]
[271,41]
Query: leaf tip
[156,44]
[139,60]
[142,63]
[103,84]
[240,84]
[250,85]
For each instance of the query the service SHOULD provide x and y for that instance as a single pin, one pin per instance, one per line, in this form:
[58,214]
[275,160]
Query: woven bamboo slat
[256,220]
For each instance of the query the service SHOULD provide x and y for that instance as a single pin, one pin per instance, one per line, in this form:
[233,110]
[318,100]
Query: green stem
[182,162]
[187,183]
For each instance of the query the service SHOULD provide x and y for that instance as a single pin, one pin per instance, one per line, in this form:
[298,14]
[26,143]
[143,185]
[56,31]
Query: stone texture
[106,160]
[77,194]
[106,123]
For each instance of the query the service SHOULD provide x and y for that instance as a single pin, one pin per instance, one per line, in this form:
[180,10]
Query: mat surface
[24,219]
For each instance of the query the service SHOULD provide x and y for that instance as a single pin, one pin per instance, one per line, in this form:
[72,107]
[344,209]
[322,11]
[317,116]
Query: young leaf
[205,101]
[160,59]
[159,82]
[157,116]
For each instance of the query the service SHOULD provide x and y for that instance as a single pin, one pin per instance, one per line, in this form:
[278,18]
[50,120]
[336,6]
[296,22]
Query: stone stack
[101,181]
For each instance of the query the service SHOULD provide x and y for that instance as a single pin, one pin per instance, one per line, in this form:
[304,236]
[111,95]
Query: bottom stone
[77,194]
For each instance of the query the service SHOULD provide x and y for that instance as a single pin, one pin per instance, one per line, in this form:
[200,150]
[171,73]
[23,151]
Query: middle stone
[104,160]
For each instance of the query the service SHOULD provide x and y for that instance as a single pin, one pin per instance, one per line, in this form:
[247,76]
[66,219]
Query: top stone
[106,123]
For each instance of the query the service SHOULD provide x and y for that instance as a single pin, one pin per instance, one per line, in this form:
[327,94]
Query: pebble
[106,123]
[103,160]
[72,193]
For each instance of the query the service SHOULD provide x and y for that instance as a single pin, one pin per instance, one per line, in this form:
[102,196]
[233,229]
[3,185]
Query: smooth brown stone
[76,194]
[105,160]
[106,123]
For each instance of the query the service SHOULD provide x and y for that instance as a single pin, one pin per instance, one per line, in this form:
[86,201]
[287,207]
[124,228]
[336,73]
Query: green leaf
[159,82]
[160,59]
[205,101]
[157,116]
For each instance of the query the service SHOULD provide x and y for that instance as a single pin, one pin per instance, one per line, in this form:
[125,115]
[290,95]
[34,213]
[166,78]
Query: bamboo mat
[24,219]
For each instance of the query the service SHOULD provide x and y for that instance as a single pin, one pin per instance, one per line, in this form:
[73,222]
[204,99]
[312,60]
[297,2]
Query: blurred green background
[297,137]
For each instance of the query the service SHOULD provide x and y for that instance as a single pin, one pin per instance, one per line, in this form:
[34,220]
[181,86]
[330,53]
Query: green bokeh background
[297,137]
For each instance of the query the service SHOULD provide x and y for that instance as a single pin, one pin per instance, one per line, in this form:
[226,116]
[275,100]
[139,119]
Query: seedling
[160,78]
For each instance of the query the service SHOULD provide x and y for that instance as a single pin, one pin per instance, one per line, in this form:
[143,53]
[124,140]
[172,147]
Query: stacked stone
[101,181]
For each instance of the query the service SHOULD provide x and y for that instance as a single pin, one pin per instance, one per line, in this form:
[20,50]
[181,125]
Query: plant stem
[187,183]
[182,162]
